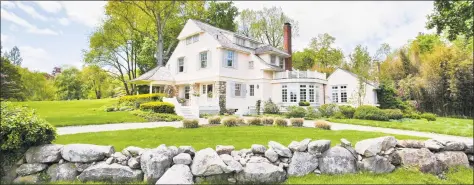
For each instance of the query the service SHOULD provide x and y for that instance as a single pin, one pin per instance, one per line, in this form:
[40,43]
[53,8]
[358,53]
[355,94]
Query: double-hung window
[284,93]
[230,59]
[252,90]
[343,94]
[238,88]
[181,64]
[302,92]
[187,89]
[311,93]
[203,59]
[273,59]
[335,94]
[195,38]
[281,62]
[189,40]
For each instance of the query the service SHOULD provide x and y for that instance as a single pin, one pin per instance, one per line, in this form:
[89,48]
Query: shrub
[312,113]
[267,120]
[429,116]
[126,108]
[297,122]
[110,109]
[136,100]
[322,125]
[190,123]
[254,121]
[295,112]
[270,108]
[347,111]
[338,115]
[158,107]
[240,121]
[151,116]
[327,110]
[412,115]
[393,113]
[280,122]
[303,103]
[230,122]
[215,120]
[370,113]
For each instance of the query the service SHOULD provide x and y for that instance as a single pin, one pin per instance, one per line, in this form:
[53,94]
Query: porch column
[151,88]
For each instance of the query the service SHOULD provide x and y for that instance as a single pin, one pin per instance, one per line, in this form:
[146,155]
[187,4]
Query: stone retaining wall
[258,164]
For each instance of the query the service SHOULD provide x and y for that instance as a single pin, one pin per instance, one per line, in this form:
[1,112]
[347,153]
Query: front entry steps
[187,113]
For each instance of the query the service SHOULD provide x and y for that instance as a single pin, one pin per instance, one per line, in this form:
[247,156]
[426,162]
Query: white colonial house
[213,68]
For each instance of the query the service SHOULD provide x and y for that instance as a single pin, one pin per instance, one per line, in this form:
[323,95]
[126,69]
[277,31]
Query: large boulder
[337,160]
[154,164]
[182,158]
[410,144]
[280,149]
[271,155]
[62,172]
[299,146]
[454,146]
[374,146]
[258,149]
[27,169]
[132,151]
[450,158]
[434,145]
[261,173]
[469,148]
[207,162]
[177,174]
[302,163]
[48,153]
[186,149]
[318,147]
[377,164]
[86,152]
[133,163]
[115,173]
[30,179]
[222,149]
[232,164]
[422,158]
[82,166]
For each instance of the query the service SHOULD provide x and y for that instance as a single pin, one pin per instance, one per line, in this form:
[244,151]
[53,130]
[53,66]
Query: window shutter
[185,66]
[243,90]
[209,62]
[224,56]
[232,89]
[235,60]
[198,61]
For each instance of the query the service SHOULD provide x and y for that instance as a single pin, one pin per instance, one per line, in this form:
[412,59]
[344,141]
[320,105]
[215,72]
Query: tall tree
[244,22]
[95,80]
[361,63]
[326,56]
[10,81]
[69,85]
[222,15]
[37,86]
[14,56]
[453,17]
[304,60]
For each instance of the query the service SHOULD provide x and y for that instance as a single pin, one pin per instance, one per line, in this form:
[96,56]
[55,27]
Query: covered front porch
[201,94]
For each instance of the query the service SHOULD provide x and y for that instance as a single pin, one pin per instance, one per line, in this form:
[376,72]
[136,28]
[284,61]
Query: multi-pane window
[292,96]
[230,59]
[195,38]
[209,88]
[302,92]
[335,95]
[203,59]
[181,65]
[272,59]
[343,94]
[189,40]
[252,90]
[250,64]
[240,41]
[186,92]
[284,94]
[237,89]
[311,93]
[203,89]
[281,62]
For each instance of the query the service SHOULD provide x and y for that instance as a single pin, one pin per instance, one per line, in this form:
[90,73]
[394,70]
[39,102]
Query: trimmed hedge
[216,120]
[190,123]
[267,120]
[297,122]
[393,113]
[370,113]
[295,112]
[280,122]
[412,115]
[303,103]
[158,107]
[327,110]
[347,111]
[151,116]
[230,122]
[254,121]
[429,116]
[322,124]
[136,100]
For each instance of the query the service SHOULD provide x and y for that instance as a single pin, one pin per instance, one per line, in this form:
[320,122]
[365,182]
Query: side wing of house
[343,89]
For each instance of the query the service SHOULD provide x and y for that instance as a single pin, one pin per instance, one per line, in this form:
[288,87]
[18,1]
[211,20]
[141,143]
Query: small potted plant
[181,100]
[209,94]
[196,94]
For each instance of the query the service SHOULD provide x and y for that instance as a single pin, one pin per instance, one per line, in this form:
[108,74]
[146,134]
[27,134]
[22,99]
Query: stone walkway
[309,123]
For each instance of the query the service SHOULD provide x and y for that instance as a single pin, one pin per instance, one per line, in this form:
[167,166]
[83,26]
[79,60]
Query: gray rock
[258,149]
[61,161]
[133,151]
[470,157]
[80,167]
[153,163]
[186,149]
[232,164]
[48,153]
[119,157]
[389,151]
[285,160]
[280,149]
[377,164]
[394,158]
[258,159]
[244,152]
[177,174]
[133,163]
[410,144]
[9,174]
[260,173]
[374,146]
[207,162]
[174,150]
[345,142]
[115,173]
[271,155]
[299,146]
[86,152]
[337,160]
[469,148]
[217,179]
[235,154]
[243,161]
[110,160]
[302,163]
[27,169]
[30,179]
[62,172]
[22,161]
[434,145]
[182,158]
[351,150]
[448,159]
[422,158]
[454,146]
[232,180]
[222,149]
[319,147]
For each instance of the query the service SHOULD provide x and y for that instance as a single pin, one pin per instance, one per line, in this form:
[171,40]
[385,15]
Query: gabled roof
[270,66]
[374,84]
[268,48]
[158,75]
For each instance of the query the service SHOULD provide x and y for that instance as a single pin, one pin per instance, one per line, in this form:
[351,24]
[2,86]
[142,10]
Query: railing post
[287,74]
[297,74]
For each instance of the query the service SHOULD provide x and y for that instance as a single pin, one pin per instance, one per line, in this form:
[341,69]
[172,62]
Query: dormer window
[192,39]
[273,59]
[281,62]
[240,41]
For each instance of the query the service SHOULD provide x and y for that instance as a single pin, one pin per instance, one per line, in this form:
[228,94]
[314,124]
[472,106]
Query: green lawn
[199,138]
[79,112]
[450,126]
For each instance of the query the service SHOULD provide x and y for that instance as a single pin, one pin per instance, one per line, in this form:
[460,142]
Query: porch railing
[299,74]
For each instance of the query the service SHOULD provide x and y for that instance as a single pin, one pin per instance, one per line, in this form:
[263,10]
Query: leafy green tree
[453,17]
[10,81]
[304,60]
[37,86]
[95,80]
[14,56]
[222,15]
[361,63]
[326,56]
[69,85]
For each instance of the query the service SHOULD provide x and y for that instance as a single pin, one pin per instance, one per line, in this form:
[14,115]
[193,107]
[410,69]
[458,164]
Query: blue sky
[51,33]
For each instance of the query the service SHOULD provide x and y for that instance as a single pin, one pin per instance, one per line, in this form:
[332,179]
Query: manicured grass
[203,137]
[450,126]
[459,175]
[79,112]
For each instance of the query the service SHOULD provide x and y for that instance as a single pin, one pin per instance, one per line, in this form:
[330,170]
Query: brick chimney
[287,45]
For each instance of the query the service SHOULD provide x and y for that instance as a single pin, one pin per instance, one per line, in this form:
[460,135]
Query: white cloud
[49,6]
[63,21]
[88,13]
[31,11]
[36,59]
[23,23]
[7,4]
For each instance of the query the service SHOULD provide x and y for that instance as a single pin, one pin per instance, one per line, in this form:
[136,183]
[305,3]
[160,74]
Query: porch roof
[158,75]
